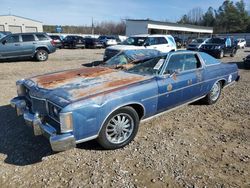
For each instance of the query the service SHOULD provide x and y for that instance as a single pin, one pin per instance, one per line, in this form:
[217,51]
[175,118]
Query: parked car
[196,44]
[241,43]
[57,40]
[93,43]
[219,47]
[78,105]
[179,42]
[73,41]
[246,61]
[107,40]
[4,33]
[163,43]
[20,45]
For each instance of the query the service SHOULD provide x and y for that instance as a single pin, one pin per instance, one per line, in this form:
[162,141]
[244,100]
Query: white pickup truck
[162,43]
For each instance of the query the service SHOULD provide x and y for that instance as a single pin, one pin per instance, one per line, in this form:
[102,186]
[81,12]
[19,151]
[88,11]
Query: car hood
[125,47]
[73,85]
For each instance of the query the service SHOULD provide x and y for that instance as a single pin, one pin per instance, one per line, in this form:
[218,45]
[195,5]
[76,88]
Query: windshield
[198,40]
[216,41]
[136,41]
[119,59]
[150,67]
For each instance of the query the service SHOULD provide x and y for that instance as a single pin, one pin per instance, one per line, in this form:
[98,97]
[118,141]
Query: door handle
[34,43]
[17,44]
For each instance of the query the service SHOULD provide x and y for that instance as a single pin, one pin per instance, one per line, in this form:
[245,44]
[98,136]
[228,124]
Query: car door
[169,84]
[11,47]
[29,44]
[184,83]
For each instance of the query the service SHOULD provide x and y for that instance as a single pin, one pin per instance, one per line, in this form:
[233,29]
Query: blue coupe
[75,106]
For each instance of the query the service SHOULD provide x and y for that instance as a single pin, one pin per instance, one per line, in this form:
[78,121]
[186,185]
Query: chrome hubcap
[119,128]
[42,55]
[215,92]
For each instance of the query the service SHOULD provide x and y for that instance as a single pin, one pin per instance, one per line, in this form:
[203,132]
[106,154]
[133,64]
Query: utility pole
[92,27]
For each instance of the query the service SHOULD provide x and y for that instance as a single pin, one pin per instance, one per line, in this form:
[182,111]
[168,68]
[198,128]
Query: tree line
[230,17]
[102,28]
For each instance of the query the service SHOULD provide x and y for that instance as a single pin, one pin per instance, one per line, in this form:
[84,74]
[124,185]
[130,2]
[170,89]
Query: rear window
[41,37]
[209,60]
[28,38]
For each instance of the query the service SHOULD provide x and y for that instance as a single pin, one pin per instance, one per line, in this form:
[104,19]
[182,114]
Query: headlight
[20,88]
[66,122]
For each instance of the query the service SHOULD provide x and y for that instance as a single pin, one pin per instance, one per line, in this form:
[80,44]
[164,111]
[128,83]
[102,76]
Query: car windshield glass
[136,41]
[198,41]
[216,41]
[119,59]
[150,67]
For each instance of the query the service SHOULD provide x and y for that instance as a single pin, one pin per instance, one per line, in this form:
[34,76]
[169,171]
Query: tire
[116,133]
[42,55]
[221,55]
[213,95]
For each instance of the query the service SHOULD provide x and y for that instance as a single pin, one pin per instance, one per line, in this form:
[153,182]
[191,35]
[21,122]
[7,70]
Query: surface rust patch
[105,88]
[51,80]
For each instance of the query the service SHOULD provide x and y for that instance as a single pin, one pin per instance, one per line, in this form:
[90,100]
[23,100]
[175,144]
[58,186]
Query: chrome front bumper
[58,142]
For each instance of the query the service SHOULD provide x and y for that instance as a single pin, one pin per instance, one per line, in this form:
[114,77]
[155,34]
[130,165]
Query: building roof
[170,24]
[20,17]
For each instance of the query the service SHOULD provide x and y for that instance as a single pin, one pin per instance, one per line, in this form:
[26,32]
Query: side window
[151,41]
[191,62]
[175,63]
[161,40]
[13,39]
[28,38]
[182,62]
[41,37]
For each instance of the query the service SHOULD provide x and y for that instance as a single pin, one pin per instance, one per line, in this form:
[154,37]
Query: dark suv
[219,47]
[34,45]
[73,41]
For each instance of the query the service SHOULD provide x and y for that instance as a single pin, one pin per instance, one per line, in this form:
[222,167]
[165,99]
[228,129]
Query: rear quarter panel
[227,73]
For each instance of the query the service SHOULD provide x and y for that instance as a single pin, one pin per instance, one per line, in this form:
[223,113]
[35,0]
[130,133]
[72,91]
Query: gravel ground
[194,146]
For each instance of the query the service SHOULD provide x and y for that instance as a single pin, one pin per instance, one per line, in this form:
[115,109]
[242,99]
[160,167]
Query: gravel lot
[194,146]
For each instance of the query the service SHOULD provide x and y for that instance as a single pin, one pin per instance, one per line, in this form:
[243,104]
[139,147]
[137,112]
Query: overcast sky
[80,12]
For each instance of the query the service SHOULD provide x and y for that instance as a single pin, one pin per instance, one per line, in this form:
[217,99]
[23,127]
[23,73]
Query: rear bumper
[58,142]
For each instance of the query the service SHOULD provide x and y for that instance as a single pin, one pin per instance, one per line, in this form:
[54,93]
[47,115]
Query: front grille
[38,106]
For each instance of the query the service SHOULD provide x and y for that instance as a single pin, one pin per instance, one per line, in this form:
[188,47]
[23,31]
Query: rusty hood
[85,82]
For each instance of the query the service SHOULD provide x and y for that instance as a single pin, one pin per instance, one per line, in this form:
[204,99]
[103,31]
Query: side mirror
[4,42]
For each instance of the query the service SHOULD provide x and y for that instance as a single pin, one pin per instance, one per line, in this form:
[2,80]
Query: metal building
[134,27]
[18,24]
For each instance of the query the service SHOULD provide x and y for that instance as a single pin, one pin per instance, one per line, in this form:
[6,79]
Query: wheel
[119,129]
[214,94]
[42,55]
[221,54]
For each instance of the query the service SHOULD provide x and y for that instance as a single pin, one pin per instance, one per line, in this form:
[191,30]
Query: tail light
[53,42]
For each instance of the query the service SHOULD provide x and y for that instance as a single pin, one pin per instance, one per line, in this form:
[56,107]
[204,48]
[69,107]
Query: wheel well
[139,109]
[223,82]
[42,48]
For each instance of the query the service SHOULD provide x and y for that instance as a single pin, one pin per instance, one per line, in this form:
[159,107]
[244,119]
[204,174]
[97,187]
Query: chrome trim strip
[156,115]
[86,139]
[218,78]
